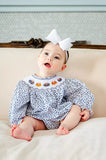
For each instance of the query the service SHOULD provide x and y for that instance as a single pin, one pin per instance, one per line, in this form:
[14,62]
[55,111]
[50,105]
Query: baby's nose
[50,58]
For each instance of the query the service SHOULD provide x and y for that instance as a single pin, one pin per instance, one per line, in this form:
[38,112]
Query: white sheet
[85,142]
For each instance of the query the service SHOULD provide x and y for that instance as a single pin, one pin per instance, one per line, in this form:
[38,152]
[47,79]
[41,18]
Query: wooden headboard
[39,43]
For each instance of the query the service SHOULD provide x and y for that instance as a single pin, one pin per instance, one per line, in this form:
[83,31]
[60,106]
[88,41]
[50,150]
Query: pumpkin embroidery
[54,82]
[43,83]
[38,84]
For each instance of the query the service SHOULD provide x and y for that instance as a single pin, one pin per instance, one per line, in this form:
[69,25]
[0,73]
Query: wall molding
[52,6]
[39,43]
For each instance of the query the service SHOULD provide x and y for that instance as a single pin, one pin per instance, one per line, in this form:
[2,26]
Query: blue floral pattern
[50,100]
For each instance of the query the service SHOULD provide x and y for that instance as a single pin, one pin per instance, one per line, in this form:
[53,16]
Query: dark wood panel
[39,43]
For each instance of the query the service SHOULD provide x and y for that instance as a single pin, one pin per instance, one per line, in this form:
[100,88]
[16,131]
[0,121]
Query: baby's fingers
[84,116]
[82,113]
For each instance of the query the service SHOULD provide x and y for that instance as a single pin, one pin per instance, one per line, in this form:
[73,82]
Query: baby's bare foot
[13,128]
[62,131]
[19,133]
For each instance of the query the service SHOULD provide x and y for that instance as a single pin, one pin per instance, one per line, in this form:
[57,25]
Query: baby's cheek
[56,67]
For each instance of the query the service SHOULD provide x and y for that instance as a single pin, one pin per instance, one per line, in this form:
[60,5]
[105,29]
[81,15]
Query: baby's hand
[85,115]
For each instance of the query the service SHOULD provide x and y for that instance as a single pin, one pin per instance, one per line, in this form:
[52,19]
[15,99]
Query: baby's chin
[46,73]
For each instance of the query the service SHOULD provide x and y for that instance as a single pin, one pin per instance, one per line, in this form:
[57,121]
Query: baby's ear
[63,67]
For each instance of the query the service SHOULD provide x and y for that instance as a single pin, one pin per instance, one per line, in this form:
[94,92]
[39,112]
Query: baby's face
[51,60]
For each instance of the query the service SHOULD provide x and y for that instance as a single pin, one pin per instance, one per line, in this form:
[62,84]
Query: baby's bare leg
[70,121]
[26,128]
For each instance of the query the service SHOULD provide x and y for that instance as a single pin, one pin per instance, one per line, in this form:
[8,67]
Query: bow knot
[55,38]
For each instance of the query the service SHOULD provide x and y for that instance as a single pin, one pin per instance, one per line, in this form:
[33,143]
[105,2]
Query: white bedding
[85,142]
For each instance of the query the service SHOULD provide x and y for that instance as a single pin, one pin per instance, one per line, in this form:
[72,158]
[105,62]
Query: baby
[47,101]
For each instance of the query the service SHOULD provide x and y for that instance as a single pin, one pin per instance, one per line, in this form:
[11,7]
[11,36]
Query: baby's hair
[66,51]
[67,57]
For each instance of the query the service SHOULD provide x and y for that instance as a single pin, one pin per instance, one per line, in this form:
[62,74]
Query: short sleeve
[78,93]
[19,103]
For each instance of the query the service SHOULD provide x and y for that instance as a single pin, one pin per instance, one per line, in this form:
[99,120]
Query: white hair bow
[55,38]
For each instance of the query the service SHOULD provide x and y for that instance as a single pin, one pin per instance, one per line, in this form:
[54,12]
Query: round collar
[43,83]
[43,78]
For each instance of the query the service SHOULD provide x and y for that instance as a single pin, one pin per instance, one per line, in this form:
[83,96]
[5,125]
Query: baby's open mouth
[47,65]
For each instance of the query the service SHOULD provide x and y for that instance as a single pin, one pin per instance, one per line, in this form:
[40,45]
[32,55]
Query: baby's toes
[62,131]
[13,128]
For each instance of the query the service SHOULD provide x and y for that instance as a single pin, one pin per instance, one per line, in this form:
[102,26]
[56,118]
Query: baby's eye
[56,57]
[46,53]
